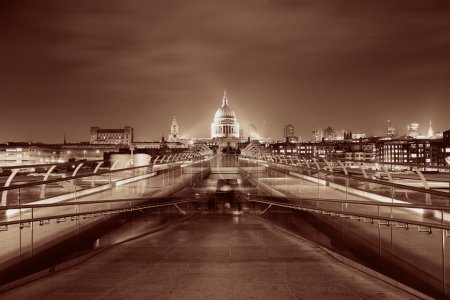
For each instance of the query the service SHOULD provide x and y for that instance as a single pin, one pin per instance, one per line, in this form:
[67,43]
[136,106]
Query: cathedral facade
[225,123]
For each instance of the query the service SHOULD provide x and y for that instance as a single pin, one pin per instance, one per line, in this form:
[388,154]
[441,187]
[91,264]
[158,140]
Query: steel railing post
[32,232]
[444,261]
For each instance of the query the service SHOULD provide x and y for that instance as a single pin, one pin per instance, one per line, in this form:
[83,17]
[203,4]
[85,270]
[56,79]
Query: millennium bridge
[202,225]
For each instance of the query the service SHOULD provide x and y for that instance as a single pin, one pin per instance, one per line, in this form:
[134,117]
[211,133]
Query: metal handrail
[354,214]
[24,185]
[373,203]
[382,163]
[370,203]
[71,203]
[101,211]
[421,190]
[394,164]
[30,184]
[47,165]
[334,159]
[386,183]
[399,205]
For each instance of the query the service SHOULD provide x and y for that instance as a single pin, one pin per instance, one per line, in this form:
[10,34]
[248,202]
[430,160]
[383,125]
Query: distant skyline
[68,65]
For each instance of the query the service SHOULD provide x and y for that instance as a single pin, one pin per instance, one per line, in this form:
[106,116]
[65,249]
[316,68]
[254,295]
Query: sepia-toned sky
[69,65]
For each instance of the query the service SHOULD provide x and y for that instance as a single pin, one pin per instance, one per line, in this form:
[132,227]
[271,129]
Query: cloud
[300,62]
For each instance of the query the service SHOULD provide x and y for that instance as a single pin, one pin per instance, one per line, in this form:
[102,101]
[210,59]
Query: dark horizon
[65,67]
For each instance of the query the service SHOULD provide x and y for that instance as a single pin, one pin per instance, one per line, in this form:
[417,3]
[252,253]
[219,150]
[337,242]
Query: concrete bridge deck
[211,256]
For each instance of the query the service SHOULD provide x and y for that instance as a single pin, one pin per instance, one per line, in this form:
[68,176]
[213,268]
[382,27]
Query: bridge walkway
[214,256]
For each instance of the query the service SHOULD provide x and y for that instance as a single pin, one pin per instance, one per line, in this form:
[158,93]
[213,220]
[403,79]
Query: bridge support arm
[42,194]
[361,167]
[7,183]
[330,168]
[343,167]
[317,164]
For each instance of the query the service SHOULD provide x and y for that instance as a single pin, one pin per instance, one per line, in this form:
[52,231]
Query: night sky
[69,65]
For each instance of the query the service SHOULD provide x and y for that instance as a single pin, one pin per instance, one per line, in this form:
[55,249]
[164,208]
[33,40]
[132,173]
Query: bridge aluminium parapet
[406,240]
[32,232]
[79,229]
[377,235]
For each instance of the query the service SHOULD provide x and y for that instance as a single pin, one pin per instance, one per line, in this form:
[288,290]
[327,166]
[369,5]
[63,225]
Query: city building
[289,130]
[28,154]
[225,123]
[391,132]
[38,153]
[434,152]
[112,136]
[284,148]
[430,134]
[174,131]
[413,151]
[329,133]
[446,138]
[347,134]
[317,135]
[358,135]
[162,147]
[289,133]
[413,130]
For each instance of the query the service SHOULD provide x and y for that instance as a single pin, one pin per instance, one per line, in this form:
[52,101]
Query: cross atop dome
[225,98]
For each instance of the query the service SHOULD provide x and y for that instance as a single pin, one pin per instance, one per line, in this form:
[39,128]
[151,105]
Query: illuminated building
[112,136]
[30,154]
[430,134]
[403,150]
[27,154]
[317,135]
[289,130]
[225,124]
[329,133]
[289,133]
[174,131]
[414,151]
[413,130]
[358,135]
[160,148]
[391,132]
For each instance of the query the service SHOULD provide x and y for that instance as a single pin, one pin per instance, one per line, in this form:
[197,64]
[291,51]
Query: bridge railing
[36,221]
[407,242]
[62,182]
[349,186]
[45,236]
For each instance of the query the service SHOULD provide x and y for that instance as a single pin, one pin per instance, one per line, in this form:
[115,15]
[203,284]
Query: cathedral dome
[225,112]
[225,123]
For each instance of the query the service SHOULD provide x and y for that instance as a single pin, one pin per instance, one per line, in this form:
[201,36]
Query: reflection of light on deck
[352,191]
[225,188]
[11,212]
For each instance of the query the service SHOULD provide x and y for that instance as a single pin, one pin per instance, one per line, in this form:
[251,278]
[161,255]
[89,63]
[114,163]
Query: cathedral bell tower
[174,131]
